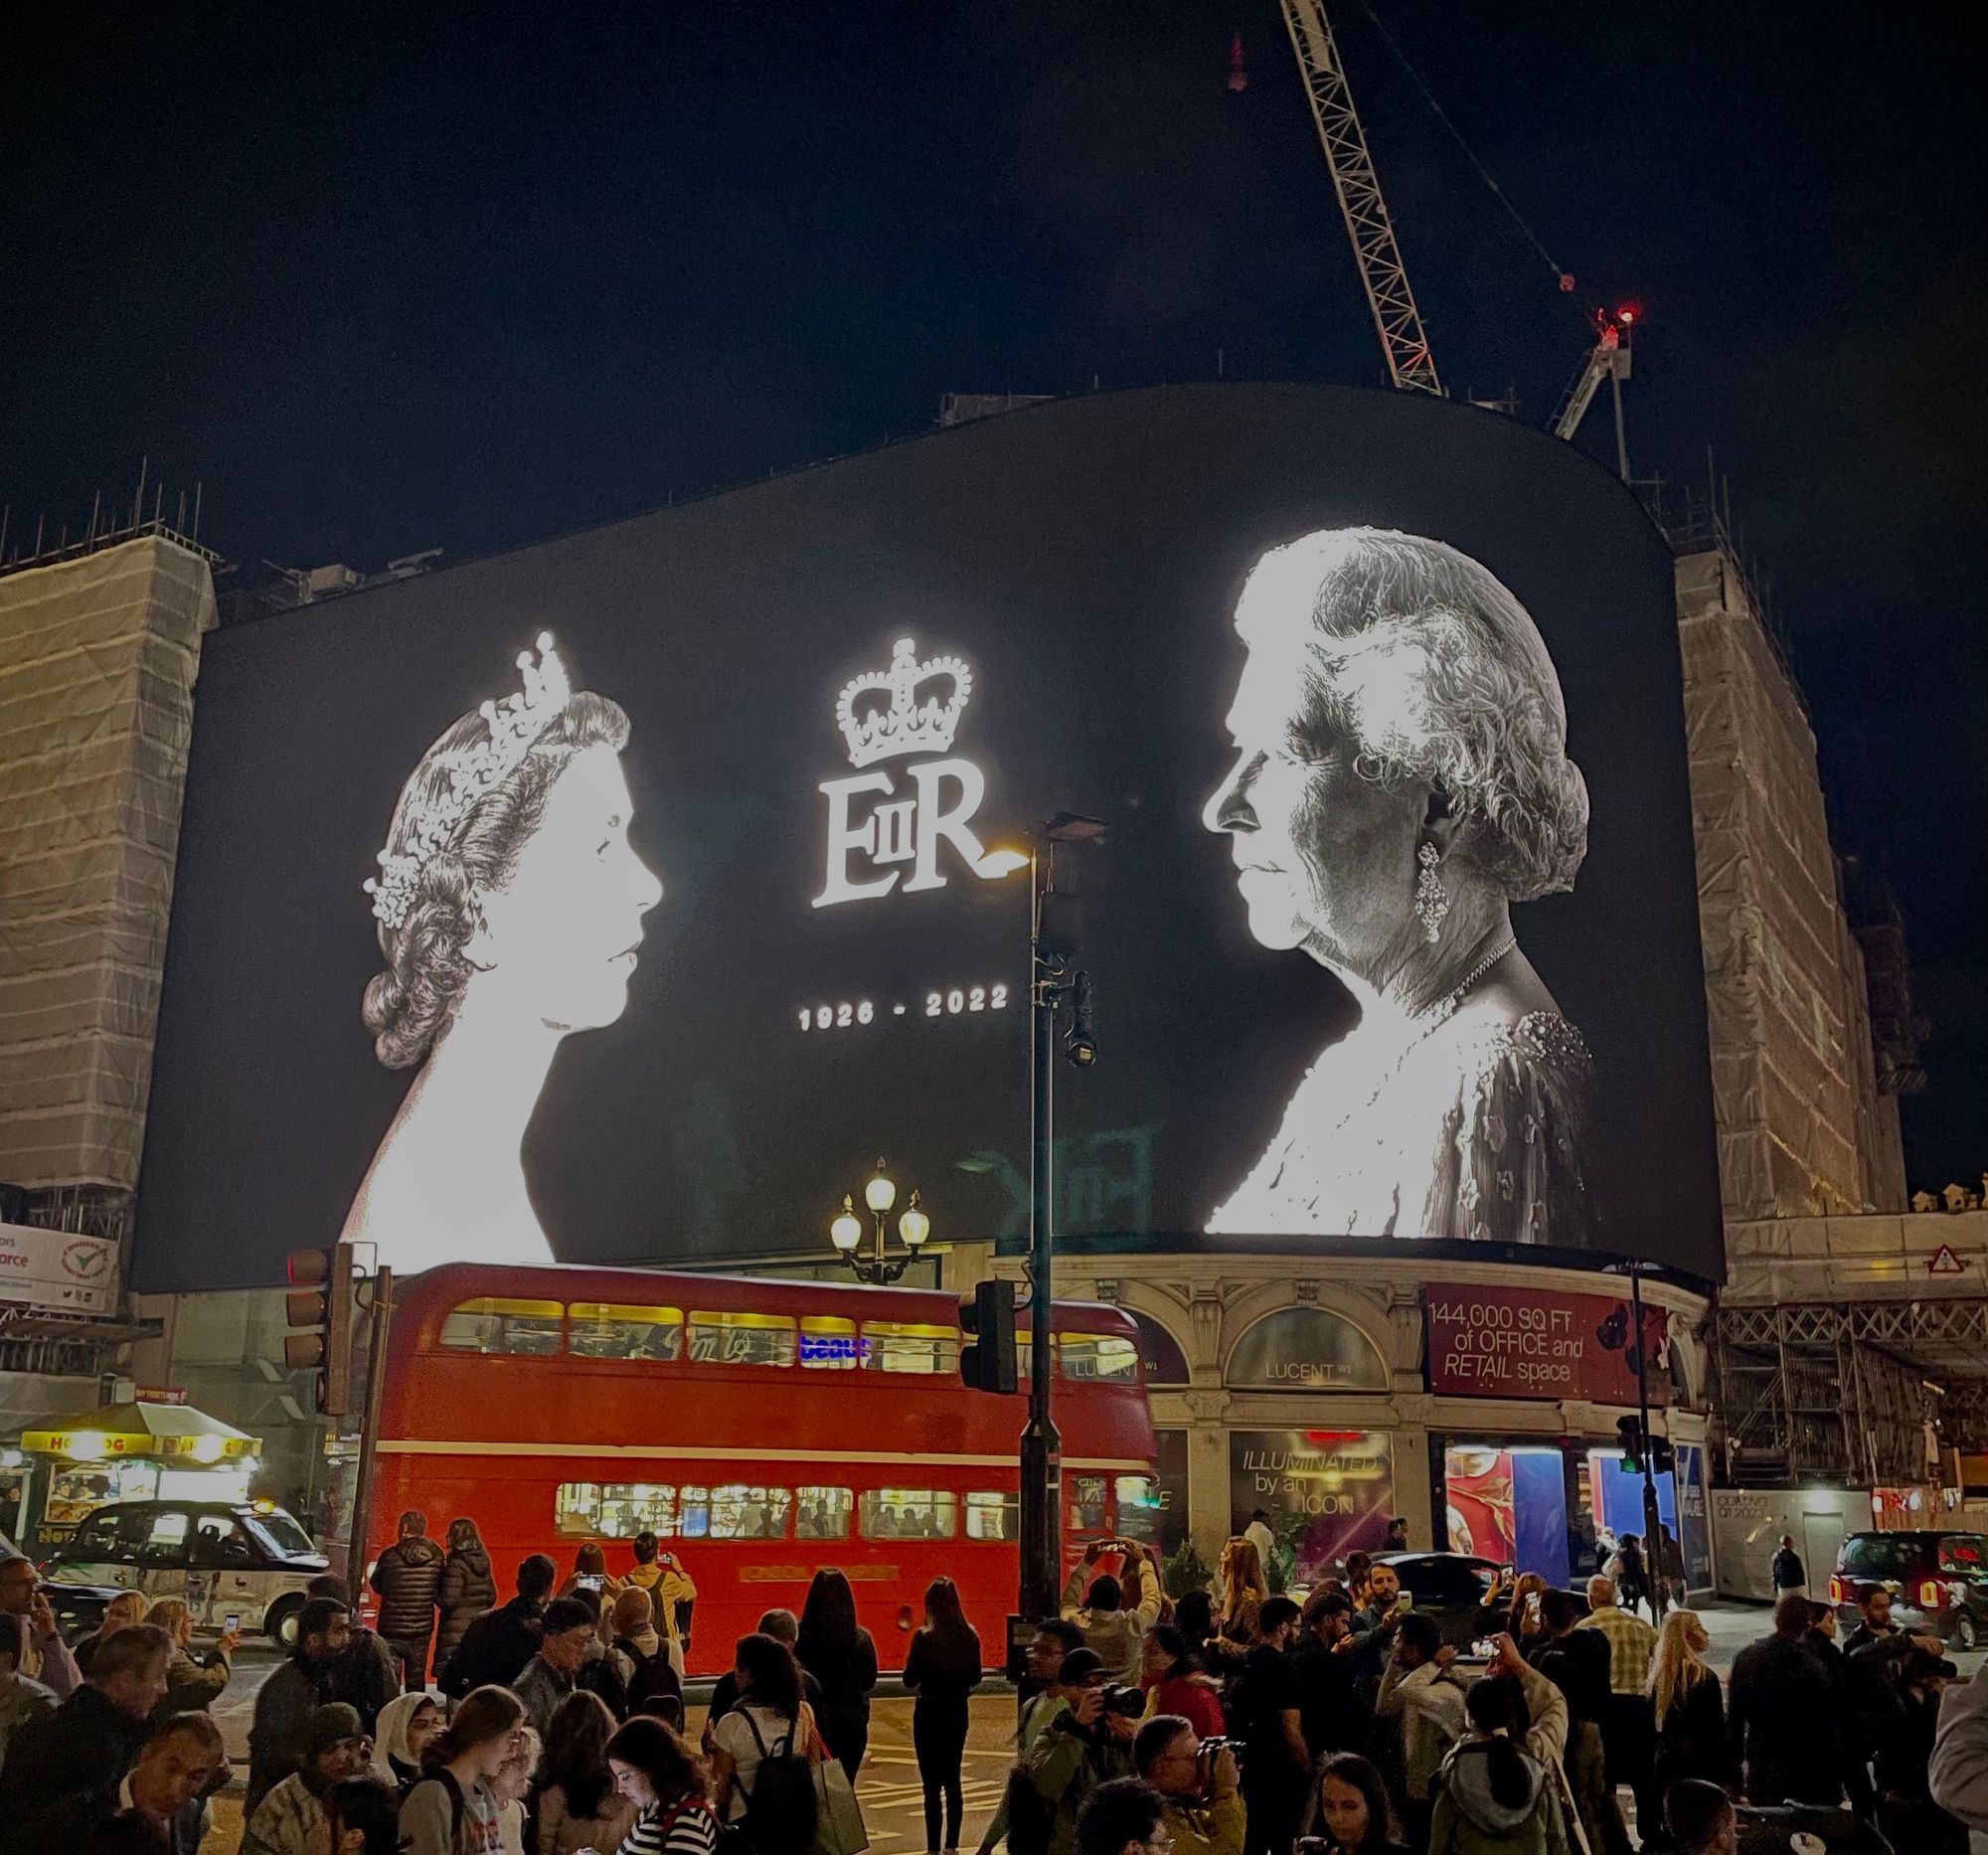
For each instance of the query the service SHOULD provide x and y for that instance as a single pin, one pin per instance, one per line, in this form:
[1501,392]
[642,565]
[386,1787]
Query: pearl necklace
[1435,1016]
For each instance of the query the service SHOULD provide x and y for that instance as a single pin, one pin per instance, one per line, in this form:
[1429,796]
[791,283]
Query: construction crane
[1404,341]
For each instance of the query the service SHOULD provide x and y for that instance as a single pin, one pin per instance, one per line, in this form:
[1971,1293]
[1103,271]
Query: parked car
[1939,1580]
[246,1559]
[1452,1588]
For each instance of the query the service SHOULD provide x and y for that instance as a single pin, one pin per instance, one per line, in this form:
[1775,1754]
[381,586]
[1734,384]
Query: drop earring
[1431,898]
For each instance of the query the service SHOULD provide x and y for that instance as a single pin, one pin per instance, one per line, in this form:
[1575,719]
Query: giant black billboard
[624,898]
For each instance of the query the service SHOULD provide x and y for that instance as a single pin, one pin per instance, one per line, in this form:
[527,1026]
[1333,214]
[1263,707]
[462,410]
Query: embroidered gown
[1478,1132]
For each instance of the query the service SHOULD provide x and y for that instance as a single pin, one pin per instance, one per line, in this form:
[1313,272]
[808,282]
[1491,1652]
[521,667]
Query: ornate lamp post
[880,1193]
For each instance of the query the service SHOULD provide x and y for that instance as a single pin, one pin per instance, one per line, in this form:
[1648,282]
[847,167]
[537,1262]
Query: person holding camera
[1114,1614]
[1419,1691]
[1087,1744]
[1199,1782]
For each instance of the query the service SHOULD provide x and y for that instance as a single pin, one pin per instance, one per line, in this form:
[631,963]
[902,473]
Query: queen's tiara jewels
[905,727]
[468,774]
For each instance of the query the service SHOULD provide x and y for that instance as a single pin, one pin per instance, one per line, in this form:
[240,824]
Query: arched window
[1165,1362]
[1305,1349]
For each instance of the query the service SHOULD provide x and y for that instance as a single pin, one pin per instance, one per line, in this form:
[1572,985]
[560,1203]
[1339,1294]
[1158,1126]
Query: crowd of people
[1242,1723]
[1231,1721]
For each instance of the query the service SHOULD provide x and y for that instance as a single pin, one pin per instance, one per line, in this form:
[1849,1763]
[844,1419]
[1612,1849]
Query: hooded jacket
[467,1590]
[407,1578]
[1469,1820]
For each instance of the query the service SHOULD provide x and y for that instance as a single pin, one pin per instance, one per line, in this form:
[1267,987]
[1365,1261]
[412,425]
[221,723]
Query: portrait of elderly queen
[1401,781]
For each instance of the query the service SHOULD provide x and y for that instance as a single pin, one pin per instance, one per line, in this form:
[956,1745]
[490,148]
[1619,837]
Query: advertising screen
[627,897]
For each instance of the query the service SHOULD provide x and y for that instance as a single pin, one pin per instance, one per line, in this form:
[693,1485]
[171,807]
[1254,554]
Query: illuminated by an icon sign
[911,708]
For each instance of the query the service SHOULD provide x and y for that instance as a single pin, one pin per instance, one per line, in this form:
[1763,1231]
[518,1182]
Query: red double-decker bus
[760,1429]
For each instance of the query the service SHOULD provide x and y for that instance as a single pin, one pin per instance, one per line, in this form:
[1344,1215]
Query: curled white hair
[1439,676]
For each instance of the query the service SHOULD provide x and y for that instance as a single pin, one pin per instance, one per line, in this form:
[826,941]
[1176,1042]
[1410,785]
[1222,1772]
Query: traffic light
[990,1364]
[320,1302]
[1663,1456]
[1630,1430]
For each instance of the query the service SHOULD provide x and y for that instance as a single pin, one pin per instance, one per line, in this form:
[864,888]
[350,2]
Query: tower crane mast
[1385,277]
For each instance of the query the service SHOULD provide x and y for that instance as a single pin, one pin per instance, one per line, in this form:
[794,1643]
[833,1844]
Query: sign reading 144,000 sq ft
[623,897]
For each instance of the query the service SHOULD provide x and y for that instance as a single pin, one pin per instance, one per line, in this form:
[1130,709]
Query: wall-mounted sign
[1305,1349]
[1540,1343]
[58,1270]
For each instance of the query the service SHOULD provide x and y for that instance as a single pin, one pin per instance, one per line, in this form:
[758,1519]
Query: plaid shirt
[1631,1643]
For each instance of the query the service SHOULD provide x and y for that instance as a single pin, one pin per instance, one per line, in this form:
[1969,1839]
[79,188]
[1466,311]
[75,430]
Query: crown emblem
[906,725]
[467,775]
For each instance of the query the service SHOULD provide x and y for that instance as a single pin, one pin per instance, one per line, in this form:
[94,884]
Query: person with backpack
[639,1654]
[1493,1798]
[467,1590]
[497,1645]
[656,1771]
[454,1808]
[571,1637]
[838,1651]
[670,1590]
[760,1765]
[578,1805]
[942,1668]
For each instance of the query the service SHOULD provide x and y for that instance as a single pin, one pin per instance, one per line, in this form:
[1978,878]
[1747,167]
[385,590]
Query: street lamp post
[880,1193]
[1053,985]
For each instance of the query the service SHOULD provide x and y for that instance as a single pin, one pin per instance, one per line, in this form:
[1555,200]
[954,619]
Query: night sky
[471,280]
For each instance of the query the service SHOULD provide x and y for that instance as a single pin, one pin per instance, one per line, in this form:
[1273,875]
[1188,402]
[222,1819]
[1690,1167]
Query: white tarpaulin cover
[97,657]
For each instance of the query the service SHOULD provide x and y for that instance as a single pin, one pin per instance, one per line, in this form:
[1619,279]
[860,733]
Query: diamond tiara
[468,774]
[905,727]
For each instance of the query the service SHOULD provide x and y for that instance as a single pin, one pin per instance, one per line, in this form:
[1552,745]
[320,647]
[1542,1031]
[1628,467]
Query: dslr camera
[1127,1702]
[1210,1752]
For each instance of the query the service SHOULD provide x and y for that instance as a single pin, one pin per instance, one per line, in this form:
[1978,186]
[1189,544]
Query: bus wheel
[279,1621]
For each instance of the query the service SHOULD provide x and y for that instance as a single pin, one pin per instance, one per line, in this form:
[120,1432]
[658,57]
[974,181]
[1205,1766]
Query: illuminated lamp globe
[914,1227]
[881,1193]
[208,1450]
[88,1445]
[846,1232]
[997,863]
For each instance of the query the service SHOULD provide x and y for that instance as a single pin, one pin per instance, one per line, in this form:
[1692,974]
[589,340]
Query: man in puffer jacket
[1493,1798]
[1114,1621]
[407,1577]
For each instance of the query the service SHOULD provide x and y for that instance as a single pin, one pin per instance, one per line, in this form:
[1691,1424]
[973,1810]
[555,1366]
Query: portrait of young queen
[1401,781]
[508,908]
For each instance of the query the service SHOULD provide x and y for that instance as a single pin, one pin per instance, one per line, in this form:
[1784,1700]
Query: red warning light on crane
[1238,72]
[1627,315]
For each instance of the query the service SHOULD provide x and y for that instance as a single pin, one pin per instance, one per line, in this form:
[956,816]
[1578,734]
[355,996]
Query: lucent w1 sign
[623,897]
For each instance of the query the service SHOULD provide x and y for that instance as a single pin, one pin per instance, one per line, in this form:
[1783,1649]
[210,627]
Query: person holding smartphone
[192,1683]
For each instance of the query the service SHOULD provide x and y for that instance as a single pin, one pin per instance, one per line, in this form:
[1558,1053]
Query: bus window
[1138,1498]
[910,1514]
[1099,1357]
[1085,1503]
[490,1324]
[906,1346]
[993,1517]
[610,1330]
[732,1339]
[824,1513]
[614,1510]
[694,1513]
[828,1343]
[739,1512]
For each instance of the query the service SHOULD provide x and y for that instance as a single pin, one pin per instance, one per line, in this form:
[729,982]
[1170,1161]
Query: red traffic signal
[320,1304]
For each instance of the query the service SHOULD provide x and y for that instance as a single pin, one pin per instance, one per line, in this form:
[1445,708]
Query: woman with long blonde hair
[1689,1708]
[1242,1587]
[190,1682]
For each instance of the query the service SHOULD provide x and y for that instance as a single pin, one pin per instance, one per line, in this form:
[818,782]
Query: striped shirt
[684,1829]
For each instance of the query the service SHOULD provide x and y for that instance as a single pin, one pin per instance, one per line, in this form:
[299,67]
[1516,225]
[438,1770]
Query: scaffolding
[1837,1392]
